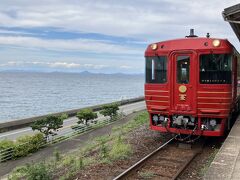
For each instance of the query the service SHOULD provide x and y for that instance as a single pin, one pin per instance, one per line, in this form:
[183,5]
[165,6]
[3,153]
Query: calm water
[30,94]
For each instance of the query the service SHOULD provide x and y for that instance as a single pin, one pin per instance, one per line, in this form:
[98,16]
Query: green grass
[120,149]
[104,149]
[37,171]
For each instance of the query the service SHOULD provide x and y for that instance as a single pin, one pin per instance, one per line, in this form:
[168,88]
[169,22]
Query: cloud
[150,21]
[126,67]
[121,18]
[52,64]
[81,45]
[14,32]
[138,22]
[64,65]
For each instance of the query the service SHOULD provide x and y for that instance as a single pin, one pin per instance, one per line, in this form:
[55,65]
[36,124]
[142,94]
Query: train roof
[189,43]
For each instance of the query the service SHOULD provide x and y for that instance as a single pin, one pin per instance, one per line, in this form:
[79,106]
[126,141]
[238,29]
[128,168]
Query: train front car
[190,86]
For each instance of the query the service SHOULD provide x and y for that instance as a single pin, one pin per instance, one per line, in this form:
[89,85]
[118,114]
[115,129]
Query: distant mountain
[85,73]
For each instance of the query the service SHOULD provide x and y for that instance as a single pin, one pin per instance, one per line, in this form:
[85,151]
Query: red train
[191,85]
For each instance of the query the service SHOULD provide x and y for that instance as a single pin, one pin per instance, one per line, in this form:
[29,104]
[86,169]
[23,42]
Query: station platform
[226,164]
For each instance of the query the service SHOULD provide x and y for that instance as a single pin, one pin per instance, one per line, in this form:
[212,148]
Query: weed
[147,174]
[80,162]
[120,149]
[31,172]
[57,155]
[17,173]
[103,146]
[38,171]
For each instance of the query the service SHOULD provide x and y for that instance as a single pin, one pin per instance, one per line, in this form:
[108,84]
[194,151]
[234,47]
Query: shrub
[38,172]
[86,115]
[28,144]
[6,149]
[22,146]
[18,173]
[110,110]
[63,116]
[37,141]
[6,144]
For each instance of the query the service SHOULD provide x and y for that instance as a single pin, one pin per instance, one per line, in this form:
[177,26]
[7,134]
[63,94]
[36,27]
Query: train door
[183,83]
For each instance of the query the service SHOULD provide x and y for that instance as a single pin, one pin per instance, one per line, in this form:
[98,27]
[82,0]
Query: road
[125,109]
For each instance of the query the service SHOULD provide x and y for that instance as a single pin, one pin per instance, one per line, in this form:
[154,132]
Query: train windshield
[156,69]
[215,69]
[183,63]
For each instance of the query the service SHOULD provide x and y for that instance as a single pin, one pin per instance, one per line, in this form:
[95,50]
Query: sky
[100,36]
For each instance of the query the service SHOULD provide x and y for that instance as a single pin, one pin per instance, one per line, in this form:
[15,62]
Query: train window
[215,69]
[183,63]
[156,69]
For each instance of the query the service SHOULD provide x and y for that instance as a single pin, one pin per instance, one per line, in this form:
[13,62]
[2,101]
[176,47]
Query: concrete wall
[16,124]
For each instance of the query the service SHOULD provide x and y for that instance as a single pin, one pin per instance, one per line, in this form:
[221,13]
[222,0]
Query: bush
[28,144]
[86,115]
[6,149]
[38,172]
[6,144]
[18,173]
[63,116]
[37,141]
[110,110]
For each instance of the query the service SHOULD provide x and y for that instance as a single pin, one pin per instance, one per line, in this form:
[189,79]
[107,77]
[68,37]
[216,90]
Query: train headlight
[154,46]
[216,43]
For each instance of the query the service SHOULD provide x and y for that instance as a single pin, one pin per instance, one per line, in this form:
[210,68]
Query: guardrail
[16,124]
[8,154]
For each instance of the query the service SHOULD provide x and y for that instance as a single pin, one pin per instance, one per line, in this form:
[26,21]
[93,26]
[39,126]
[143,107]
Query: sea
[28,94]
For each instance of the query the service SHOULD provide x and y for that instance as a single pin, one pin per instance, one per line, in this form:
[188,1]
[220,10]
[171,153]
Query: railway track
[166,162]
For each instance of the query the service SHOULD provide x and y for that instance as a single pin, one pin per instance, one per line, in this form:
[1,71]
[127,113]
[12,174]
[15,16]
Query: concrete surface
[21,123]
[226,164]
[126,109]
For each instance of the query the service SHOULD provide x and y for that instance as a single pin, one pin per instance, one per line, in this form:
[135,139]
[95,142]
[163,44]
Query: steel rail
[142,160]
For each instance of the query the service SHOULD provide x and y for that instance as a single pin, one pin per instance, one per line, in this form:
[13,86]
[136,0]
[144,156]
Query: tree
[49,125]
[110,110]
[86,115]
